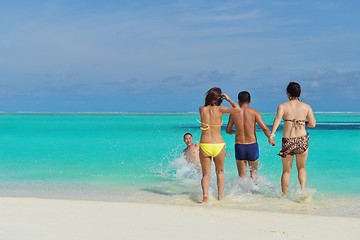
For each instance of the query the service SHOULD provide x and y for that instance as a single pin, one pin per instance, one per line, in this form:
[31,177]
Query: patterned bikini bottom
[294,145]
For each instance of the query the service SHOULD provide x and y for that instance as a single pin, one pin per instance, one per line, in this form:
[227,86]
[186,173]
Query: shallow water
[137,157]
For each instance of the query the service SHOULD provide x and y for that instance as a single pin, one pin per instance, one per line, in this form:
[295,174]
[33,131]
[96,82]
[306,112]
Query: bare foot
[205,199]
[281,195]
[305,196]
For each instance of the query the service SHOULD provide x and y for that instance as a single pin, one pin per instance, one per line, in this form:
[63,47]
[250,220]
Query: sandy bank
[25,218]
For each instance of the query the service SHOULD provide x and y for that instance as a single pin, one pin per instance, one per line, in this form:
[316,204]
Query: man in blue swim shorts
[246,146]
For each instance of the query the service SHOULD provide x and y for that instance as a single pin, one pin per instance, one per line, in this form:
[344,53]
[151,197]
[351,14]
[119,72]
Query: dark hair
[213,97]
[294,89]
[187,134]
[244,96]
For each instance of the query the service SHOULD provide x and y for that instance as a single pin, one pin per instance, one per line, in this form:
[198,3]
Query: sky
[162,56]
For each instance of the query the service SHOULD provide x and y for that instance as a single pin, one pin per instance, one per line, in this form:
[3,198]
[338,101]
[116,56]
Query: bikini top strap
[295,122]
[207,126]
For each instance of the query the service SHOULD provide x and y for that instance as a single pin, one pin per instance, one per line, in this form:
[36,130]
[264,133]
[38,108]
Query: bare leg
[241,166]
[300,165]
[205,162]
[253,165]
[285,177]
[219,169]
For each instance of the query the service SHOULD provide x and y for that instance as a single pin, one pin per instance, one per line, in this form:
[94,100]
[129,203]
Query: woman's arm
[227,98]
[311,121]
[235,107]
[277,120]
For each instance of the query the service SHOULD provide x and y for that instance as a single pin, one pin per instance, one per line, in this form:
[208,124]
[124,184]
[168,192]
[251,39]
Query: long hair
[213,97]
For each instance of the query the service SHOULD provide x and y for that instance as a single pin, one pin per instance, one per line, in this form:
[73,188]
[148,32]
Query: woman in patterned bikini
[297,115]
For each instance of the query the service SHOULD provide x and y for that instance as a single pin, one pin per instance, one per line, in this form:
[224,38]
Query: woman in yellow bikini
[295,139]
[211,143]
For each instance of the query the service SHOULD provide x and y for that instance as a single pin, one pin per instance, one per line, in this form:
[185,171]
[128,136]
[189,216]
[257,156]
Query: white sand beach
[29,218]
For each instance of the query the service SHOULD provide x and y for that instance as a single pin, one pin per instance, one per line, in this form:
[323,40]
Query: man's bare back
[246,147]
[244,121]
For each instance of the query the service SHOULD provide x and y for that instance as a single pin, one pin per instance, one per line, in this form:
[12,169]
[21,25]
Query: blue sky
[99,56]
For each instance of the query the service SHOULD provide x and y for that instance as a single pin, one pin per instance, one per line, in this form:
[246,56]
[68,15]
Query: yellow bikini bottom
[212,149]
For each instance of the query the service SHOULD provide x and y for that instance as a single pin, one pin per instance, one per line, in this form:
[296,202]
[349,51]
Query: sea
[137,157]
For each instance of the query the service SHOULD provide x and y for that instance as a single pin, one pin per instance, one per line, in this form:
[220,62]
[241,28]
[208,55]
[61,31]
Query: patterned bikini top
[207,126]
[296,123]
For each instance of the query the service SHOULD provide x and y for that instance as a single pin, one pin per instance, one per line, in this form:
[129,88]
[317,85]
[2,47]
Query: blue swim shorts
[248,152]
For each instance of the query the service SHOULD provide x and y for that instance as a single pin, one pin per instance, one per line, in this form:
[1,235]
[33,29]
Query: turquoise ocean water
[137,158]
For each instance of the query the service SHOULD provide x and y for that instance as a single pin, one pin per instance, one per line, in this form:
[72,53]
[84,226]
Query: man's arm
[230,124]
[265,128]
[262,125]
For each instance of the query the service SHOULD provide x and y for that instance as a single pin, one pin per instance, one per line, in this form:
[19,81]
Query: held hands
[271,140]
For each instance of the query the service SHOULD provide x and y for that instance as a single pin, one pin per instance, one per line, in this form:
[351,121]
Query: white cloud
[222,18]
[315,84]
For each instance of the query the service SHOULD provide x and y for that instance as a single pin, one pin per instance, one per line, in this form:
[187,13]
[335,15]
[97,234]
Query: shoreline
[139,113]
[346,206]
[35,218]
